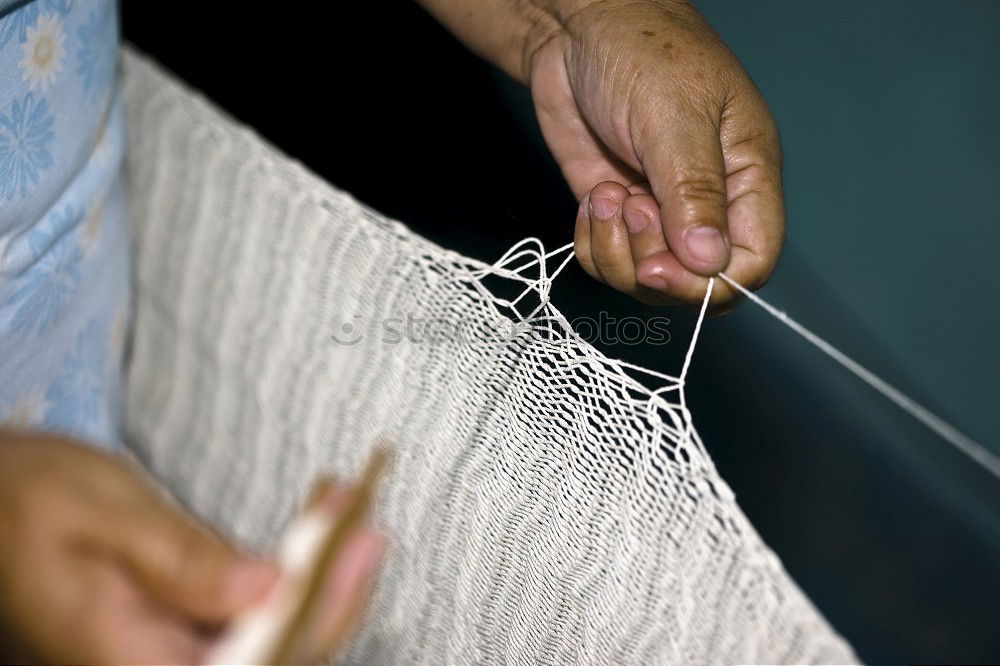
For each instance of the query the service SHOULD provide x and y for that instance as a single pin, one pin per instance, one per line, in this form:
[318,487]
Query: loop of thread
[533,250]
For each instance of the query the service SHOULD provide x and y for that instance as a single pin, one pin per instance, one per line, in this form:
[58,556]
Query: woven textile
[544,506]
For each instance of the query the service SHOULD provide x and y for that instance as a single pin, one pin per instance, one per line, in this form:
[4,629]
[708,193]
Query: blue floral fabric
[64,272]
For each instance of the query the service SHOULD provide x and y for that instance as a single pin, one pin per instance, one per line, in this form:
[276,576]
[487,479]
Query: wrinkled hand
[96,566]
[668,145]
[661,134]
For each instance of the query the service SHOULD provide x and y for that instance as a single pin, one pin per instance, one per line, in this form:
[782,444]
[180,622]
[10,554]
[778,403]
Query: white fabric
[544,507]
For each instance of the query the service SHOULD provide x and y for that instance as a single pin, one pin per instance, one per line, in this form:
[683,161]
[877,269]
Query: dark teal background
[890,119]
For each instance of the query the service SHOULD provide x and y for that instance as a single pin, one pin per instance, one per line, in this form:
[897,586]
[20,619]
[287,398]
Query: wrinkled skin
[659,131]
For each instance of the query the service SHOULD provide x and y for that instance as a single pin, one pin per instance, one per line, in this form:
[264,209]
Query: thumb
[682,158]
[183,564]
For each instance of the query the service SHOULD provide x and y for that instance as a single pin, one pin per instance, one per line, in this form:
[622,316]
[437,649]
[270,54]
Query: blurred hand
[97,566]
[348,584]
[667,144]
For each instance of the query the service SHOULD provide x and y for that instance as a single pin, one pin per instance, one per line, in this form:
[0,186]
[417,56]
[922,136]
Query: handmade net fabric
[544,506]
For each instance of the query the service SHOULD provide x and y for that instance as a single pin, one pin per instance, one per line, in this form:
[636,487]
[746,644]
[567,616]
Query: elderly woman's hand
[659,131]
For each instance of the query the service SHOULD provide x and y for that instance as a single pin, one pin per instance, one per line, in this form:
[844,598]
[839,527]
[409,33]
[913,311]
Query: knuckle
[702,197]
[702,187]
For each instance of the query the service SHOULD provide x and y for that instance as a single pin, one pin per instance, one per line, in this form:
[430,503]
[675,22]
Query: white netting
[543,506]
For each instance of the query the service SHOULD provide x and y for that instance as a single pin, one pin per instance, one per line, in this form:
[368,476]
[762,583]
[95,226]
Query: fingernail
[706,244]
[603,207]
[654,282]
[634,220]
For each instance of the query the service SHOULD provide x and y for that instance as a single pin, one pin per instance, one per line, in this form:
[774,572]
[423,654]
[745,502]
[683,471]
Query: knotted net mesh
[544,505]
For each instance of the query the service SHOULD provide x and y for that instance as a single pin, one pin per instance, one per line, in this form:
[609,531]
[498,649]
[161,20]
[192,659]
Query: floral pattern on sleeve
[25,139]
[64,280]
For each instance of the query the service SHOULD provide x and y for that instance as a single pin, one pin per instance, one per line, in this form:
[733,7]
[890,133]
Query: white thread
[543,282]
[523,464]
[687,358]
[689,428]
[697,330]
[960,440]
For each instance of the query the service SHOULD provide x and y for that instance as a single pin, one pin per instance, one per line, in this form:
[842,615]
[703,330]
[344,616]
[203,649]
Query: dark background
[884,110]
